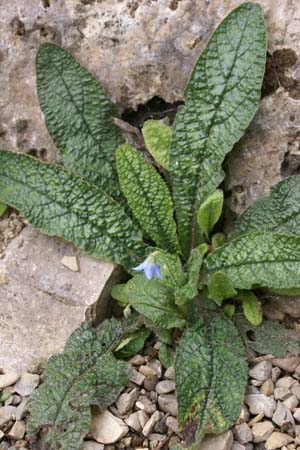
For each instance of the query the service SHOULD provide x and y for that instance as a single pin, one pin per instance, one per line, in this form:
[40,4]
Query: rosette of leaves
[162,219]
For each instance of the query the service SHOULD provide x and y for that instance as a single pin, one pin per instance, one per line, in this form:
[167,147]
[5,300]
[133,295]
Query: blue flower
[150,268]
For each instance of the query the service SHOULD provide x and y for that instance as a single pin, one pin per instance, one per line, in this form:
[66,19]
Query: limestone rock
[106,428]
[126,401]
[168,404]
[261,371]
[261,431]
[260,403]
[92,445]
[17,431]
[27,384]
[43,302]
[165,386]
[278,440]
[133,422]
[288,364]
[6,414]
[8,378]
[243,433]
[282,415]
[222,441]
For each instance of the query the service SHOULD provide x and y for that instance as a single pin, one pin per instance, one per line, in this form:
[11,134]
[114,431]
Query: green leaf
[154,301]
[251,307]
[229,310]
[258,260]
[221,99]
[132,344]
[148,197]
[211,376]
[220,287]
[78,115]
[210,211]
[60,203]
[166,355]
[170,269]
[270,338]
[85,374]
[190,289]
[278,213]
[218,240]
[157,137]
[3,208]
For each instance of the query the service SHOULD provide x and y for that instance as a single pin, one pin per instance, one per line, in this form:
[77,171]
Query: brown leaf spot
[189,431]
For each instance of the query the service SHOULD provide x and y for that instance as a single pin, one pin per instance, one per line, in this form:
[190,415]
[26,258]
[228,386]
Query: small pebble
[147,371]
[267,387]
[278,440]
[281,393]
[137,360]
[71,262]
[17,431]
[27,384]
[261,403]
[165,387]
[291,402]
[170,374]
[276,372]
[8,378]
[137,377]
[150,383]
[261,371]
[243,433]
[147,429]
[172,423]
[262,430]
[168,404]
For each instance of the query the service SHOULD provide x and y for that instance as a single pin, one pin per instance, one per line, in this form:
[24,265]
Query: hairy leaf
[211,376]
[60,203]
[78,115]
[220,101]
[85,374]
[166,355]
[132,344]
[218,240]
[170,269]
[3,208]
[148,197]
[190,289]
[220,287]
[278,213]
[258,259]
[251,307]
[157,138]
[270,338]
[210,211]
[154,301]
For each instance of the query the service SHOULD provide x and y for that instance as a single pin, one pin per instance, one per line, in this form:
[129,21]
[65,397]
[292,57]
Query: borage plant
[183,277]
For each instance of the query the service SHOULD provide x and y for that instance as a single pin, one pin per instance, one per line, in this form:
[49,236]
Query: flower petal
[149,270]
[157,272]
[141,266]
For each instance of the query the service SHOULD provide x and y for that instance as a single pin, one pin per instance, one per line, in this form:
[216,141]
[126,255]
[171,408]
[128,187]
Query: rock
[156,366]
[281,393]
[8,378]
[243,433]
[297,414]
[170,373]
[6,414]
[261,431]
[261,371]
[156,437]
[150,383]
[277,440]
[285,382]
[291,402]
[244,414]
[237,446]
[288,364]
[276,372]
[1,434]
[133,422]
[147,371]
[282,415]
[222,441]
[137,360]
[260,403]
[17,432]
[145,404]
[267,387]
[106,428]
[296,390]
[168,404]
[22,408]
[126,401]
[143,418]
[38,286]
[165,386]
[27,384]
[71,262]
[172,423]
[137,377]
[92,445]
[147,429]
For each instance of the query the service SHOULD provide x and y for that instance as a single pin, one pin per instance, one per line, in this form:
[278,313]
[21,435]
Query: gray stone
[170,373]
[288,364]
[278,440]
[261,431]
[237,446]
[133,422]
[137,377]
[276,372]
[42,301]
[291,402]
[267,387]
[172,423]
[92,445]
[148,427]
[261,371]
[156,366]
[222,441]
[242,433]
[295,389]
[260,403]
[126,401]
[17,431]
[27,384]
[106,428]
[143,418]
[7,378]
[165,386]
[6,414]
[168,404]
[297,414]
[282,415]
[281,393]
[147,371]
[285,382]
